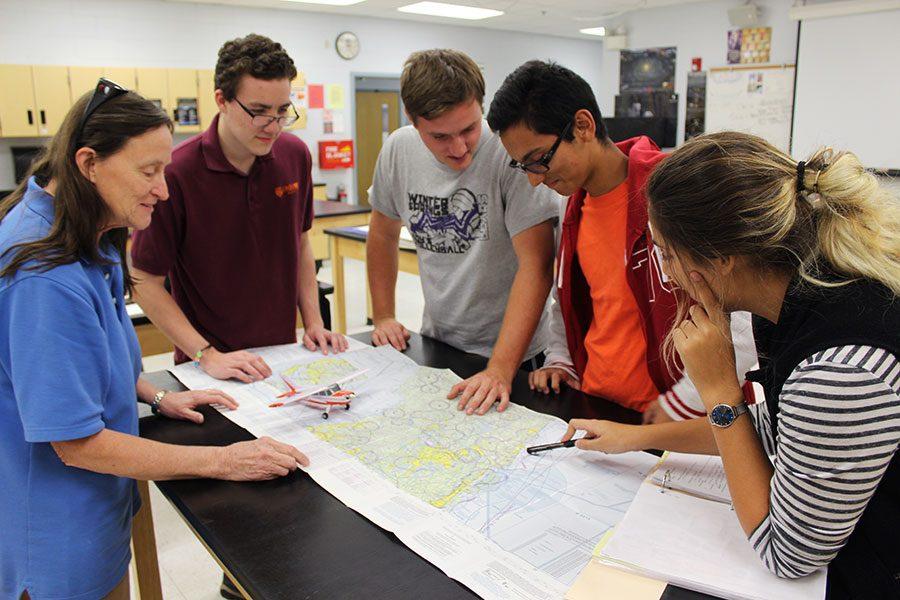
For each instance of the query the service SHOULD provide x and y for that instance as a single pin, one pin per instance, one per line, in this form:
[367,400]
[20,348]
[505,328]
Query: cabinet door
[152,84]
[83,80]
[124,76]
[18,117]
[206,97]
[51,97]
[183,100]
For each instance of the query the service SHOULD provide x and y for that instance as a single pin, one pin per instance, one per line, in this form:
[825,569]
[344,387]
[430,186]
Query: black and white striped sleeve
[838,428]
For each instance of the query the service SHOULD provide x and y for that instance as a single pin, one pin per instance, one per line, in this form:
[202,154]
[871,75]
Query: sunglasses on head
[104,91]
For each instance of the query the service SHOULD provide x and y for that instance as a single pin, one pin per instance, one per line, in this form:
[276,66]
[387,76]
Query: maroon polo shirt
[229,241]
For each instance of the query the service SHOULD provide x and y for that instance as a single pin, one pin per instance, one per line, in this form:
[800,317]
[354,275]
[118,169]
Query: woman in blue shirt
[70,360]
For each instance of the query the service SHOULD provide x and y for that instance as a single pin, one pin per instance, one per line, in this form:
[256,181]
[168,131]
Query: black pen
[545,447]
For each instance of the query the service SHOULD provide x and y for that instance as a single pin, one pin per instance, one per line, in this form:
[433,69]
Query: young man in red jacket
[613,306]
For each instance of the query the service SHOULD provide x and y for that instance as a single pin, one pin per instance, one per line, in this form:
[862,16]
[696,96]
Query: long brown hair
[79,210]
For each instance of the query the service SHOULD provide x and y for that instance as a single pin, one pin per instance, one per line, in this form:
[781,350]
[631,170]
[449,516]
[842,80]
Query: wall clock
[347,45]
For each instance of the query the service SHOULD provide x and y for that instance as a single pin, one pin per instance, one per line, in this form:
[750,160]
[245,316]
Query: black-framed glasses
[104,91]
[263,121]
[542,165]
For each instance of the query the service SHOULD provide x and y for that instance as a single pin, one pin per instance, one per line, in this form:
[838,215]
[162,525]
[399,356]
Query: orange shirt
[615,343]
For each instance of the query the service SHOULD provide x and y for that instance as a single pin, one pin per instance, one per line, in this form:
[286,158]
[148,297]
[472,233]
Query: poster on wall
[647,70]
[695,110]
[316,93]
[299,99]
[750,45]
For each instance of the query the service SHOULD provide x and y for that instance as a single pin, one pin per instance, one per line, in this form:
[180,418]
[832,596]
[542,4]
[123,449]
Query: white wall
[154,33]
[697,29]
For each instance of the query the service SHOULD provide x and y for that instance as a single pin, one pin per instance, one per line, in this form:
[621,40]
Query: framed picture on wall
[648,70]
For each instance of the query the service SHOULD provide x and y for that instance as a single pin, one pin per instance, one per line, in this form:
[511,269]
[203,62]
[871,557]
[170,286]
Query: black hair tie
[801,174]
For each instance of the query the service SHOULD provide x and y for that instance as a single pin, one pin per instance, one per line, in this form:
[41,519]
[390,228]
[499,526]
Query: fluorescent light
[453,11]
[331,2]
[594,31]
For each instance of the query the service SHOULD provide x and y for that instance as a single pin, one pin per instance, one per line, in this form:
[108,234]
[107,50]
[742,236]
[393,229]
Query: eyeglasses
[542,165]
[263,121]
[104,91]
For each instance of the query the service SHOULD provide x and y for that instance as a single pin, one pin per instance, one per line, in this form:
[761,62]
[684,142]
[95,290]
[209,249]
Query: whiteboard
[848,88]
[757,101]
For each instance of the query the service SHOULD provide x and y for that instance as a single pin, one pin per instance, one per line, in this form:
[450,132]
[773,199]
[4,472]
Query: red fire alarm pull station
[335,154]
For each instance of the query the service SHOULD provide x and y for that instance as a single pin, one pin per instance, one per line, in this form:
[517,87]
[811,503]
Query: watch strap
[157,399]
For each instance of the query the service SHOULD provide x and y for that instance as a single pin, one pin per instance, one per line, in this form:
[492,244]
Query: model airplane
[324,398]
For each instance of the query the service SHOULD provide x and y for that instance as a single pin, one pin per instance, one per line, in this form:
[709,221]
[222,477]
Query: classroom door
[377,115]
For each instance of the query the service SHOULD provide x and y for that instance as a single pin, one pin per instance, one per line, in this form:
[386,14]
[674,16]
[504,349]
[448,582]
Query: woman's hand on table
[260,460]
[182,405]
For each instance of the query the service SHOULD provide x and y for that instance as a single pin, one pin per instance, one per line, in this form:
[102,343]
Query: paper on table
[404,233]
[696,474]
[699,545]
[598,580]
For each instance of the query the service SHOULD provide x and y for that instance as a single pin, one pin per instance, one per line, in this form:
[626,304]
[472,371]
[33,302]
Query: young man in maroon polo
[233,238]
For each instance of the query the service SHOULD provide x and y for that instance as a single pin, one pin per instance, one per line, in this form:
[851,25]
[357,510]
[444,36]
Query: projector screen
[848,87]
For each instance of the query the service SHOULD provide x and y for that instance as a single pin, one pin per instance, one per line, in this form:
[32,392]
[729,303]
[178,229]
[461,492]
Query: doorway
[378,113]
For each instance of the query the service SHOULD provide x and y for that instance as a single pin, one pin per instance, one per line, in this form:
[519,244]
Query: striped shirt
[838,429]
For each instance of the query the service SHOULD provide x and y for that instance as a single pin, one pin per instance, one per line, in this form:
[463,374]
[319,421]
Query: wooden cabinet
[83,80]
[52,97]
[124,76]
[206,97]
[17,111]
[153,85]
[35,100]
[182,99]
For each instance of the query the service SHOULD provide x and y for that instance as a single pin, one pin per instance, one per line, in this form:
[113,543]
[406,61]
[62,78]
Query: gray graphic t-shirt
[463,224]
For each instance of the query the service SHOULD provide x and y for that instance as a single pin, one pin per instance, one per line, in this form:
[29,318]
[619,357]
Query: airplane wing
[307,393]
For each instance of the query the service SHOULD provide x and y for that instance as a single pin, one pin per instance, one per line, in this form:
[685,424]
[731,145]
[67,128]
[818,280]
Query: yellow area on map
[428,448]
[323,370]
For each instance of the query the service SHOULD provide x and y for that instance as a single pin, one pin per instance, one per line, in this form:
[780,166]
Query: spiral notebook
[695,474]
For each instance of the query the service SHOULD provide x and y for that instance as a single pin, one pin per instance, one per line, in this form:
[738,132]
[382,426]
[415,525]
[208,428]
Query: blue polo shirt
[69,362]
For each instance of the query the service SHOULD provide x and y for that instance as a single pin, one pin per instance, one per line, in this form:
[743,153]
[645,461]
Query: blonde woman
[812,250]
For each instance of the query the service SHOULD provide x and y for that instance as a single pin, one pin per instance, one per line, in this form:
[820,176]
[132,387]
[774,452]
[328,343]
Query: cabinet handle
[30,118]
[43,118]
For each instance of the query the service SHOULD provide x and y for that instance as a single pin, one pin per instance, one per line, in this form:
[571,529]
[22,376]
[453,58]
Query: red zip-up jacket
[655,300]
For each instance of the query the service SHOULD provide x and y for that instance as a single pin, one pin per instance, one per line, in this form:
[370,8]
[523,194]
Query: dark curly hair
[254,55]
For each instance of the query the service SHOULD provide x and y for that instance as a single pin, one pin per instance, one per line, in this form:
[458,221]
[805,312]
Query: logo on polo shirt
[286,190]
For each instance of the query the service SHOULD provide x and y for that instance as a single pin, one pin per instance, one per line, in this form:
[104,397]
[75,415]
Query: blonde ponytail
[857,219]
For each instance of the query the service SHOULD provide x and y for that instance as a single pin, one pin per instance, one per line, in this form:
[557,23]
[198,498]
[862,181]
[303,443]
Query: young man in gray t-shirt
[484,237]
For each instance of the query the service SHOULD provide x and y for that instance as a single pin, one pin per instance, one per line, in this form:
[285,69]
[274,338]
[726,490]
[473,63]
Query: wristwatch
[157,398]
[723,415]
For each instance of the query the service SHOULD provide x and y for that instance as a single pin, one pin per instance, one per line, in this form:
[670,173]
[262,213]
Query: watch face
[722,415]
[347,45]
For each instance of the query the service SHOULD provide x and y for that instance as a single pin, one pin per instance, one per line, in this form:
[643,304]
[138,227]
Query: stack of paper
[697,543]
